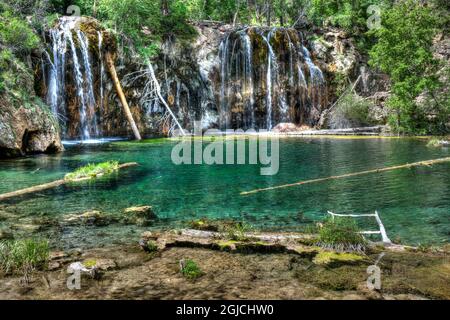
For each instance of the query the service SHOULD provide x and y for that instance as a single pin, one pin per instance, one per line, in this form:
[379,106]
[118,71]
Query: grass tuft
[237,231]
[190,269]
[341,234]
[93,170]
[23,256]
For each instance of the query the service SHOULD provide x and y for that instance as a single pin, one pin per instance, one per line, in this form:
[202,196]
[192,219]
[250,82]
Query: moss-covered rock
[141,216]
[334,259]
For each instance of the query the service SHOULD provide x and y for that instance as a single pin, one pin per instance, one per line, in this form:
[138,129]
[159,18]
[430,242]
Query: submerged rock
[93,218]
[141,216]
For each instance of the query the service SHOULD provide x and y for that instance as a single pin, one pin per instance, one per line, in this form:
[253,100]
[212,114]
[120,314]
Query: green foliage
[340,232]
[403,51]
[93,170]
[190,269]
[23,256]
[352,110]
[348,14]
[16,34]
[141,22]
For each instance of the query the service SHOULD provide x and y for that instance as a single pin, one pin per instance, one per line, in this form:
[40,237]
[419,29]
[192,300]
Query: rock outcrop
[26,124]
[27,130]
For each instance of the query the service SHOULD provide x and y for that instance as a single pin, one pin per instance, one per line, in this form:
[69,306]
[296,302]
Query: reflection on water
[414,203]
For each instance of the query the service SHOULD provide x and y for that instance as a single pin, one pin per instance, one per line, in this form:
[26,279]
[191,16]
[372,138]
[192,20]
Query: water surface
[414,203]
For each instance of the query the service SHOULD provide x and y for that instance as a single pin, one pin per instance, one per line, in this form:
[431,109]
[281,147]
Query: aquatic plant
[23,256]
[190,270]
[93,170]
[341,234]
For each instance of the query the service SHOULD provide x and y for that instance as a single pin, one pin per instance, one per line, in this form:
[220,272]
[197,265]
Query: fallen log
[54,184]
[404,166]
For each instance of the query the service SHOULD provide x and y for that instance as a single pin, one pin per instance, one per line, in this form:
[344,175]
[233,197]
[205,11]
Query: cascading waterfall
[248,79]
[102,71]
[267,77]
[70,67]
[84,43]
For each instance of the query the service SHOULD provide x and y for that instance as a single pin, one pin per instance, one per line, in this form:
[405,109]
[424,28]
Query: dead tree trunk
[126,108]
[160,97]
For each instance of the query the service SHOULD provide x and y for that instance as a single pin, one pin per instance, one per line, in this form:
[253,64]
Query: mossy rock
[334,259]
[142,215]
[204,225]
[99,264]
[229,245]
[90,218]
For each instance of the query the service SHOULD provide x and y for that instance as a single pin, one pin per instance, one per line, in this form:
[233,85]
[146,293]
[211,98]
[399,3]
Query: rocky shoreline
[256,266]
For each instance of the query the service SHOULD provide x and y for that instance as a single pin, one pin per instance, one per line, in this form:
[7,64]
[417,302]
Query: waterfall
[263,80]
[223,52]
[102,69]
[67,41]
[248,79]
[84,43]
[80,88]
[56,78]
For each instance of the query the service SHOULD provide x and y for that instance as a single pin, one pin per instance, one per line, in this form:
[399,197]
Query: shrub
[341,234]
[190,269]
[23,256]
[16,34]
[351,111]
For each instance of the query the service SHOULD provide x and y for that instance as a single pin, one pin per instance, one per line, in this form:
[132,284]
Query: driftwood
[126,108]
[404,166]
[53,184]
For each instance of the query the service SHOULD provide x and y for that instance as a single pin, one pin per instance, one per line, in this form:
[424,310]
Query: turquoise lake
[414,203]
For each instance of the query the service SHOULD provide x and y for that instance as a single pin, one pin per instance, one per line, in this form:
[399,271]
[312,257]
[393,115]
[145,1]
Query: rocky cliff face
[226,77]
[27,130]
[26,125]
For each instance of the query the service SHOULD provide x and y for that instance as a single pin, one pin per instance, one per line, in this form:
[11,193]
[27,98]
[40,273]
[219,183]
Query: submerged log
[53,184]
[404,166]
[126,108]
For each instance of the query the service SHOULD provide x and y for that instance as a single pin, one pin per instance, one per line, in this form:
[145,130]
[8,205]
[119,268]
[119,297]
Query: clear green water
[414,203]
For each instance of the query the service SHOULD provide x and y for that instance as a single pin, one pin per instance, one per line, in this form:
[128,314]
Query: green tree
[403,51]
